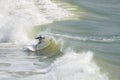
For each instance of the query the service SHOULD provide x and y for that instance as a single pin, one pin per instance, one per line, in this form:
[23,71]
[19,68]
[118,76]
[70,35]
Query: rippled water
[85,39]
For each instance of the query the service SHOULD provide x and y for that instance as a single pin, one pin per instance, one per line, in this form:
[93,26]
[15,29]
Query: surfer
[40,38]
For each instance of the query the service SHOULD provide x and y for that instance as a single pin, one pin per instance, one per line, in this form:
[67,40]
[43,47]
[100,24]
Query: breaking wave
[77,66]
[20,16]
[74,66]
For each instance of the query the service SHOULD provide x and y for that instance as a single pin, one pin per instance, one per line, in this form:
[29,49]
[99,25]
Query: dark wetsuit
[40,39]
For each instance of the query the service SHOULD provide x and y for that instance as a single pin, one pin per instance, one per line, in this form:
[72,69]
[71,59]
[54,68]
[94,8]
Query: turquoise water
[85,33]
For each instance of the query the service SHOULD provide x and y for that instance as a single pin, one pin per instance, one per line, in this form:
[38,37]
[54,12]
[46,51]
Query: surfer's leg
[39,42]
[35,46]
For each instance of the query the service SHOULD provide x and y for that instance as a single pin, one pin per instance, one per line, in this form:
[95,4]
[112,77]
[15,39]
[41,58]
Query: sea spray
[70,66]
[77,66]
[20,16]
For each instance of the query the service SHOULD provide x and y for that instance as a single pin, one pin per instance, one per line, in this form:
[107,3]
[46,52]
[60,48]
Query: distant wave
[89,38]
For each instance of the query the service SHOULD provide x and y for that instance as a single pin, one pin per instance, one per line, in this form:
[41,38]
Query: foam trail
[91,38]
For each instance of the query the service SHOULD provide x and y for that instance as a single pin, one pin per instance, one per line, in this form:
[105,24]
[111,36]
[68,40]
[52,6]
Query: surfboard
[35,47]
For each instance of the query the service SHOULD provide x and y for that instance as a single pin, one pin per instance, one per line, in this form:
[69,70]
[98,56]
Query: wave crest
[20,16]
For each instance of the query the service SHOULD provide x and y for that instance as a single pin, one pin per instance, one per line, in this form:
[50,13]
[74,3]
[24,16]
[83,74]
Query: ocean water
[85,39]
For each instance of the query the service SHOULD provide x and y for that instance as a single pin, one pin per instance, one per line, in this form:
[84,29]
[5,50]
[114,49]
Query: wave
[74,66]
[78,66]
[20,16]
[89,38]
[17,17]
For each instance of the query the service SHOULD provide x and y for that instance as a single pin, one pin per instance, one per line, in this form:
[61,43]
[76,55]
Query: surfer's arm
[37,37]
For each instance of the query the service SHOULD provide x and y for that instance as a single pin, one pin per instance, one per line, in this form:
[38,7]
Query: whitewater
[20,17]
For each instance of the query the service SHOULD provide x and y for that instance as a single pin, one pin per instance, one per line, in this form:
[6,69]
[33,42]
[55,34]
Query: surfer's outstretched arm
[37,37]
[40,37]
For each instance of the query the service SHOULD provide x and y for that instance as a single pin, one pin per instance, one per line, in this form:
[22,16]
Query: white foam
[17,17]
[77,66]
[73,66]
[88,38]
